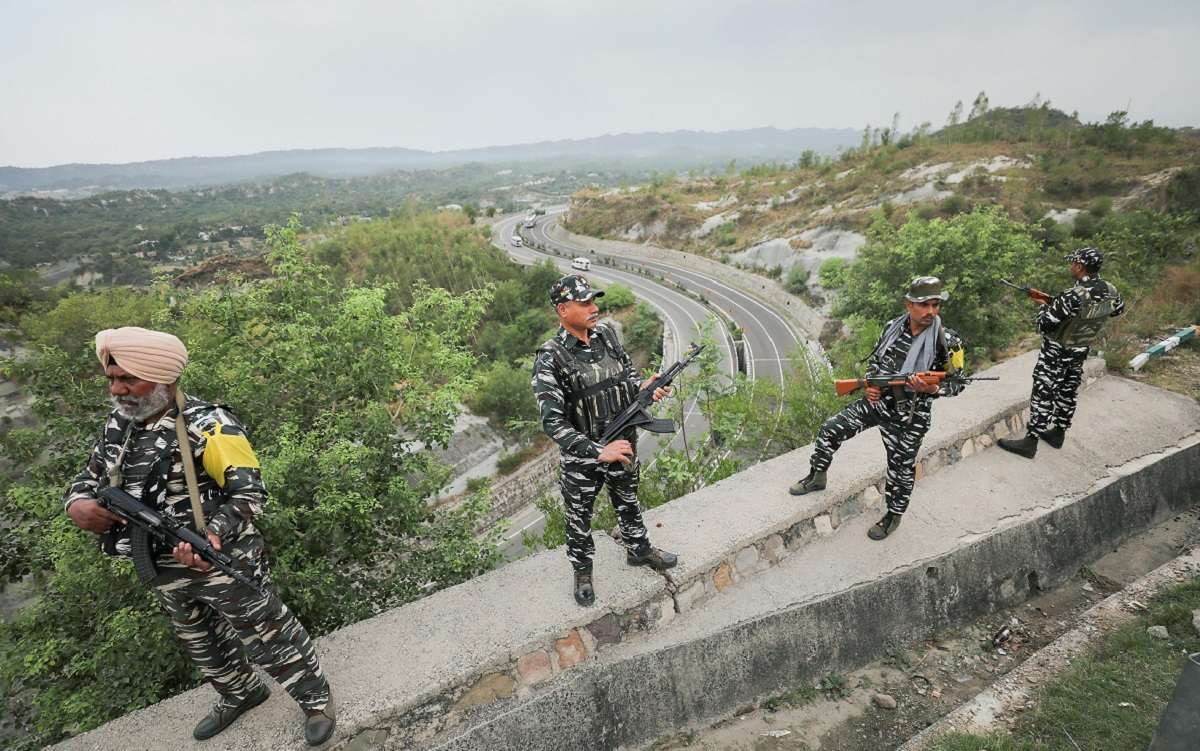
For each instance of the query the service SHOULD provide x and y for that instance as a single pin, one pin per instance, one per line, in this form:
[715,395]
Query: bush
[644,330]
[797,279]
[332,387]
[1183,191]
[969,252]
[833,273]
[1084,225]
[510,461]
[503,394]
[616,297]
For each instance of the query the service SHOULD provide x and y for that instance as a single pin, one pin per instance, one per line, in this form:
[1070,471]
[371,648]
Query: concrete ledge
[770,524]
[430,665]
[628,700]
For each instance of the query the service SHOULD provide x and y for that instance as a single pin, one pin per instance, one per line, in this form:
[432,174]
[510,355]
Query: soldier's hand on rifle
[617,451]
[90,515]
[659,393]
[922,385]
[183,553]
[873,393]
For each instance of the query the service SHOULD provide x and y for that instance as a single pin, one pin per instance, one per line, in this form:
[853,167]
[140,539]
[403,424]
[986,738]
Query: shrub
[797,279]
[616,297]
[969,252]
[833,273]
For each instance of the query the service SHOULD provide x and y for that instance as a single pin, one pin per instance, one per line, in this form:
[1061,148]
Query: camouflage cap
[925,288]
[1089,257]
[572,287]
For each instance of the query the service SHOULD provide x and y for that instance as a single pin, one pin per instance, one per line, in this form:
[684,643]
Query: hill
[1038,164]
[684,148]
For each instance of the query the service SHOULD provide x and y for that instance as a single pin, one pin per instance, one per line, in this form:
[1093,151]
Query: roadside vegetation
[972,203]
[1110,698]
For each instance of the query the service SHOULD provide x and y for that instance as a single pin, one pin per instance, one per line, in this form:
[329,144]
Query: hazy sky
[119,81]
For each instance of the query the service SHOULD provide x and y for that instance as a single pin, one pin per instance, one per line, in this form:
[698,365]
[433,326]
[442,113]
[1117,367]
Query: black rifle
[152,531]
[637,414]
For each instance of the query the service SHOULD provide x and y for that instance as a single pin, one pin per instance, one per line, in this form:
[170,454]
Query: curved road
[769,339]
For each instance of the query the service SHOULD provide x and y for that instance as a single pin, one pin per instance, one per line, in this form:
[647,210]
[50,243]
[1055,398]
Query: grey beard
[139,408]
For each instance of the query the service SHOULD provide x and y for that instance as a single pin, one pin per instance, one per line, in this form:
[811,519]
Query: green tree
[340,393]
[969,252]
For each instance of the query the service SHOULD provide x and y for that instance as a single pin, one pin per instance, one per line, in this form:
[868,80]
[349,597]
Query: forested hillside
[997,193]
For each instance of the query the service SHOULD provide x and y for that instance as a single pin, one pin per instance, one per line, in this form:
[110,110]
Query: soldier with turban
[219,621]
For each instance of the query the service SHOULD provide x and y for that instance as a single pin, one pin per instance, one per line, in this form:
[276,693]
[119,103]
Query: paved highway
[769,338]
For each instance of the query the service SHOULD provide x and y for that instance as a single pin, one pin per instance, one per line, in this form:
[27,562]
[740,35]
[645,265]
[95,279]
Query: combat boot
[223,714]
[812,483]
[1054,437]
[319,724]
[1026,447]
[884,526]
[659,560]
[584,594]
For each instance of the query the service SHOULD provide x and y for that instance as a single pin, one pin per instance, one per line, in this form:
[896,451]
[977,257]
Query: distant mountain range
[677,149]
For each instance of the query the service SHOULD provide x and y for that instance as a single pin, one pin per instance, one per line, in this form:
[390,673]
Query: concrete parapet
[513,639]
[805,620]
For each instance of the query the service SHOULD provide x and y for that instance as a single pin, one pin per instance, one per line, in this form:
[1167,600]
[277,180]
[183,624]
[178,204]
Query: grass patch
[1110,698]
[794,697]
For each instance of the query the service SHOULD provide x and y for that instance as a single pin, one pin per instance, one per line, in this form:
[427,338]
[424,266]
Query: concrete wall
[635,700]
[514,642]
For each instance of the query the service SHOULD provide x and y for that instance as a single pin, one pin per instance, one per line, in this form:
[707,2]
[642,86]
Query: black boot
[1054,437]
[1026,447]
[884,526]
[584,594]
[659,560]
[318,726]
[812,483]
[223,714]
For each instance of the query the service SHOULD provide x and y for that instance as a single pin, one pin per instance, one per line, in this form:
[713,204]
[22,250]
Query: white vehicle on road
[529,221]
[582,264]
[516,241]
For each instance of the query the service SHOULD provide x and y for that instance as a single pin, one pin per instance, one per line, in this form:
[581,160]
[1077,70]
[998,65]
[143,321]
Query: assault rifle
[637,414]
[1041,298]
[850,385]
[151,531]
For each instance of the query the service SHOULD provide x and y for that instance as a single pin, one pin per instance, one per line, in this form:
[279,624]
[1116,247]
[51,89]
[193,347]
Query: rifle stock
[1034,294]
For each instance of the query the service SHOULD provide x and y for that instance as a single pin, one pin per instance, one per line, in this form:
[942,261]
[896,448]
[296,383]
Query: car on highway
[516,241]
[582,264]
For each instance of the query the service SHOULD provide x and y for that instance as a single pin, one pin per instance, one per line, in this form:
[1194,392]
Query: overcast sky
[120,81]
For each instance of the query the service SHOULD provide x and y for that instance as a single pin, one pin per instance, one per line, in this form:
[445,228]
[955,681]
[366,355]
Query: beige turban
[150,355]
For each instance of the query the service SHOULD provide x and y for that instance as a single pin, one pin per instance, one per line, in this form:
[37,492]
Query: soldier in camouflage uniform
[218,621]
[914,342]
[582,378]
[1069,324]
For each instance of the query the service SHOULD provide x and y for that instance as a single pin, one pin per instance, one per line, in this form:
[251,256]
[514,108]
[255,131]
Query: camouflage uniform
[1069,324]
[903,416]
[579,387]
[217,621]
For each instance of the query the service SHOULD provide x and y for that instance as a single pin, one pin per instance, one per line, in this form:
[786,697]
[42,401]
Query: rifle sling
[189,465]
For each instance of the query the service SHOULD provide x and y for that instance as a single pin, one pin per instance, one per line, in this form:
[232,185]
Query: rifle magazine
[142,547]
